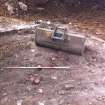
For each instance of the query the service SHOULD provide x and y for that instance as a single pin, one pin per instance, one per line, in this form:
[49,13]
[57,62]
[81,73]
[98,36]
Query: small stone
[48,22]
[61,92]
[39,66]
[90,103]
[32,79]
[4,94]
[29,44]
[70,23]
[40,90]
[99,98]
[16,55]
[36,81]
[28,88]
[25,58]
[19,102]
[32,50]
[68,86]
[40,103]
[54,77]
[10,8]
[75,25]
[97,33]
[53,59]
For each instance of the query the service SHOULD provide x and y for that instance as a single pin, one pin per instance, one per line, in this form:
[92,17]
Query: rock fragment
[61,92]
[32,50]
[68,86]
[10,8]
[19,102]
[23,6]
[53,58]
[41,103]
[40,90]
[54,77]
[35,79]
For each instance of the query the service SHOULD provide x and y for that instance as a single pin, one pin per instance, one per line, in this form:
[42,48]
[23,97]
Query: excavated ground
[82,84]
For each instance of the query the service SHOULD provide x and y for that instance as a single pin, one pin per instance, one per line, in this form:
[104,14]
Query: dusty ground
[82,84]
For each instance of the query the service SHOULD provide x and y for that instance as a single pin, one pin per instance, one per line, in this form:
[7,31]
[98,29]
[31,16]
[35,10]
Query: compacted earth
[82,82]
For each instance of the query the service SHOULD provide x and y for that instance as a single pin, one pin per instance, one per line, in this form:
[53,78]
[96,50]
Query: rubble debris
[4,94]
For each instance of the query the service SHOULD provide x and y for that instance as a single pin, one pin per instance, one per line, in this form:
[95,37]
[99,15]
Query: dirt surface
[82,84]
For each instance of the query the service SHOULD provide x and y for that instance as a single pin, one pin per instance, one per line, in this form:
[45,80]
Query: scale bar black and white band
[38,67]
